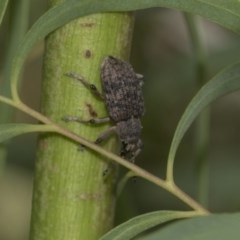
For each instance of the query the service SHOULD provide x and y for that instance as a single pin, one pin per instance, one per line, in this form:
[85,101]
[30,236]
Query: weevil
[122,94]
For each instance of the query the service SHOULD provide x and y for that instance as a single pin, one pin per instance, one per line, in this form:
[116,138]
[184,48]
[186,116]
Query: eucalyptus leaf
[212,227]
[19,14]
[141,223]
[11,130]
[226,13]
[3,6]
[223,83]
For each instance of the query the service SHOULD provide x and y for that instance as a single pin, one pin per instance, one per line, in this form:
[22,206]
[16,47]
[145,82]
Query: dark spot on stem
[87,24]
[91,111]
[88,53]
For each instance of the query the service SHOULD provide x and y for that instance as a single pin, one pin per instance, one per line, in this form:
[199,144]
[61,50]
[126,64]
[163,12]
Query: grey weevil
[122,94]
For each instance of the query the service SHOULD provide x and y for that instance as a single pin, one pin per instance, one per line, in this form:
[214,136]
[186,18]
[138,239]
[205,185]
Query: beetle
[122,94]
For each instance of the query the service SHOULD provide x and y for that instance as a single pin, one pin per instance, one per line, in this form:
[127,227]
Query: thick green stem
[203,122]
[72,199]
[136,171]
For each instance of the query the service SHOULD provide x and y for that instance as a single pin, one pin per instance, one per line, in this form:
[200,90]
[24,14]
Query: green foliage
[10,130]
[225,13]
[223,83]
[213,227]
[137,225]
[3,6]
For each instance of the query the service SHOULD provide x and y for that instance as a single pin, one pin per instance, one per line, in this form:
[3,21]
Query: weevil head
[129,151]
[129,134]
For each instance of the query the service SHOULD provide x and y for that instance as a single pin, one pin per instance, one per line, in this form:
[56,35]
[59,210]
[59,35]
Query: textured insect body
[122,93]
[129,133]
[122,90]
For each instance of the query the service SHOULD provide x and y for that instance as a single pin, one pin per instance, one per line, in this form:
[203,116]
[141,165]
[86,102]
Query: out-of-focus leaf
[226,13]
[3,6]
[10,130]
[223,83]
[18,12]
[139,224]
[213,227]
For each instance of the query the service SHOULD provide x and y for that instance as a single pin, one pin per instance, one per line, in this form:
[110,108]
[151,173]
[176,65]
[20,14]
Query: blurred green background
[162,52]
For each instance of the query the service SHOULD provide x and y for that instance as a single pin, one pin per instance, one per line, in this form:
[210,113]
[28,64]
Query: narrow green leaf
[18,12]
[212,227]
[141,223]
[10,130]
[223,83]
[3,6]
[226,13]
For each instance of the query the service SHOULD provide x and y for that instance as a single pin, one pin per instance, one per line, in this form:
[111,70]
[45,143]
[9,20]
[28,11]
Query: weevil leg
[132,159]
[106,134]
[103,136]
[140,78]
[92,87]
[92,120]
[99,120]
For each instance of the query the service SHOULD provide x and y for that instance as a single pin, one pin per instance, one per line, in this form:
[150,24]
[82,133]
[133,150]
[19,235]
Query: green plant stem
[72,199]
[167,185]
[122,183]
[202,156]
[203,121]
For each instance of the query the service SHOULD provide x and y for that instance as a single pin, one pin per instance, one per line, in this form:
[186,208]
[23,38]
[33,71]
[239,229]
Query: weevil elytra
[122,94]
